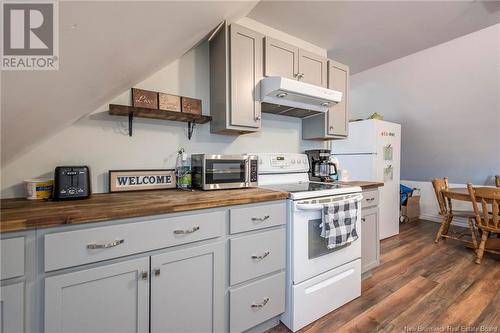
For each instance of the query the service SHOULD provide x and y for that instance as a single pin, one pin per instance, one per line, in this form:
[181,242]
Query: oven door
[310,254]
[226,172]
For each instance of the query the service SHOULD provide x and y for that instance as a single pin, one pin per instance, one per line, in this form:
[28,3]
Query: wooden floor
[421,285]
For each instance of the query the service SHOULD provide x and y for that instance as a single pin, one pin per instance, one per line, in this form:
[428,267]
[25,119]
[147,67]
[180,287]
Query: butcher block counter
[22,214]
[365,185]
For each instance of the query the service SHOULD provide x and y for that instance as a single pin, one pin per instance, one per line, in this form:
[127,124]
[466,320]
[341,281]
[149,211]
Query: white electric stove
[319,280]
[288,173]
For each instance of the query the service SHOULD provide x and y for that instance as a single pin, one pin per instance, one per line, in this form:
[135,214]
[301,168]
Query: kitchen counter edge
[365,185]
[23,214]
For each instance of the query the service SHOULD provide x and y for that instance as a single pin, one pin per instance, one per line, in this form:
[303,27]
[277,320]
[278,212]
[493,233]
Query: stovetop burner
[305,187]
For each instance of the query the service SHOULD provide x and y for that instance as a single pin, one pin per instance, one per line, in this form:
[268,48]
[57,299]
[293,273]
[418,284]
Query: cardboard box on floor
[412,208]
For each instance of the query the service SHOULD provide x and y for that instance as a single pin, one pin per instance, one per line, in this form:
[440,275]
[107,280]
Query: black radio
[71,182]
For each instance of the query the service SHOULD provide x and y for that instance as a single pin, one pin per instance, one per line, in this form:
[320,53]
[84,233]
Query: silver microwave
[214,172]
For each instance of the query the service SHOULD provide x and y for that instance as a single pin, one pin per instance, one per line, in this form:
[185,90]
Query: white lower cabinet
[187,295]
[369,246]
[12,308]
[190,274]
[111,298]
[187,290]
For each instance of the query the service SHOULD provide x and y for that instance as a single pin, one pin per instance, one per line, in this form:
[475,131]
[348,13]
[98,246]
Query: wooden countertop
[23,214]
[365,185]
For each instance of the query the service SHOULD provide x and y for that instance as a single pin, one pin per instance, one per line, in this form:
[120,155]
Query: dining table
[462,194]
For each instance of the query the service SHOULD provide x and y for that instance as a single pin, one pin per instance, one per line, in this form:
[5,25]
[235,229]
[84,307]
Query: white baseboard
[458,221]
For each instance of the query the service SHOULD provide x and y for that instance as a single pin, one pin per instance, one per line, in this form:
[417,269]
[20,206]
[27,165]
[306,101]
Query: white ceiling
[365,34]
[105,48]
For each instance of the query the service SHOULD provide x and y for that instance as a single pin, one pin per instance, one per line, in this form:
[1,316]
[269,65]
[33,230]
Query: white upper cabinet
[236,59]
[312,68]
[338,79]
[285,60]
[281,59]
[334,124]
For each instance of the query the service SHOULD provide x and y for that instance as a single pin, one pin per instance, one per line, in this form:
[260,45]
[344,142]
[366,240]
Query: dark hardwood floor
[421,285]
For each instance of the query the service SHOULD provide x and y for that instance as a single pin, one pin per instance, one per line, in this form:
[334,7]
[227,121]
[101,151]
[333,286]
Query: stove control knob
[293,161]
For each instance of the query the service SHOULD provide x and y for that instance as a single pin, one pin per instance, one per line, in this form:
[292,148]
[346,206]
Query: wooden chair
[487,222]
[447,212]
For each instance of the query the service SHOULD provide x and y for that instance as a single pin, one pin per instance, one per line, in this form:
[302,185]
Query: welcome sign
[140,180]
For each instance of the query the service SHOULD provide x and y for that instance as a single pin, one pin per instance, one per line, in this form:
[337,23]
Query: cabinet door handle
[187,231]
[262,256]
[363,219]
[144,275]
[258,117]
[261,304]
[370,199]
[157,271]
[260,219]
[105,245]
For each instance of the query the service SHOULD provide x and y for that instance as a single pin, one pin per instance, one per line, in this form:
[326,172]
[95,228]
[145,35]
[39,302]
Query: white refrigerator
[373,152]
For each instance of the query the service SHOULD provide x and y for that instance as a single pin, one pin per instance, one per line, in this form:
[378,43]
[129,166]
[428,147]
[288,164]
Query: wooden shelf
[124,110]
[132,112]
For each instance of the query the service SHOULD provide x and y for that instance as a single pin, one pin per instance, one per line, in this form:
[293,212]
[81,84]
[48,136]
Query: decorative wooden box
[144,98]
[169,102]
[191,105]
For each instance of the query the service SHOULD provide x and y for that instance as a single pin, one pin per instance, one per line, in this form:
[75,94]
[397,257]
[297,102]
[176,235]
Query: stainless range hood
[294,98]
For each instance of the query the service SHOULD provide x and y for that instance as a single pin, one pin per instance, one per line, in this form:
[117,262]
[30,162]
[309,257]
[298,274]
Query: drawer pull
[261,304]
[370,199]
[187,231]
[262,256]
[260,219]
[363,219]
[106,245]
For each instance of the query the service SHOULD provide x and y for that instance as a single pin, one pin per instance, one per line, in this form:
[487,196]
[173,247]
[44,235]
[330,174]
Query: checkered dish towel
[339,223]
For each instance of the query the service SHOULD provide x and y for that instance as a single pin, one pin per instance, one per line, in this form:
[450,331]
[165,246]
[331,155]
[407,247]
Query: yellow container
[39,188]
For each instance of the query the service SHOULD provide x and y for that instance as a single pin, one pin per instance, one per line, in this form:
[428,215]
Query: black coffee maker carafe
[320,167]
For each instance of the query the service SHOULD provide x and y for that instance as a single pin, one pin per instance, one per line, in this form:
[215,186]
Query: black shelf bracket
[132,114]
[190,129]
[130,121]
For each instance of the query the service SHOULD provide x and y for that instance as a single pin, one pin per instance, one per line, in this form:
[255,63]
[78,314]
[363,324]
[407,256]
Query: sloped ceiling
[365,34]
[105,48]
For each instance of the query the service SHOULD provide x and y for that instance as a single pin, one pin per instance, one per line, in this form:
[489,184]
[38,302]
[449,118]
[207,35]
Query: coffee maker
[320,167]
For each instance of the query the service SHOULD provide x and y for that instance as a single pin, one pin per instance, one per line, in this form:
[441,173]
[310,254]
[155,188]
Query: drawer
[323,293]
[257,217]
[256,255]
[370,198]
[72,248]
[256,302]
[12,264]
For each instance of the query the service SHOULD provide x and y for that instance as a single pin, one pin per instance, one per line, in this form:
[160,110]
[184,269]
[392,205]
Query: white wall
[102,142]
[447,99]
